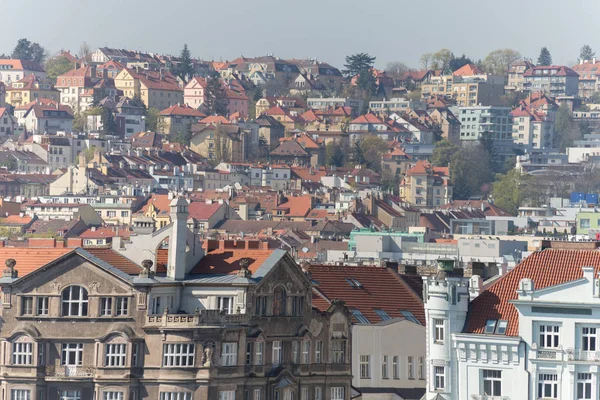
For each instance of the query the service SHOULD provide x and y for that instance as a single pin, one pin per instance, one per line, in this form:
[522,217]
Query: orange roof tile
[16,220]
[30,259]
[182,110]
[468,70]
[226,261]
[116,260]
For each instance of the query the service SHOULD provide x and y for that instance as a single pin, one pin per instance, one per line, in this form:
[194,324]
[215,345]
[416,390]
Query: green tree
[390,182]
[586,53]
[367,83]
[441,60]
[443,152]
[368,151]
[509,190]
[470,171]
[109,125]
[185,68]
[544,59]
[31,51]
[185,136]
[356,63]
[425,60]
[335,155]
[499,61]
[153,121]
[459,62]
[565,128]
[216,97]
[57,66]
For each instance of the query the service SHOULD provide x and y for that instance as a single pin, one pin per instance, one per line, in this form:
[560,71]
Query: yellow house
[176,118]
[29,89]
[157,89]
[205,141]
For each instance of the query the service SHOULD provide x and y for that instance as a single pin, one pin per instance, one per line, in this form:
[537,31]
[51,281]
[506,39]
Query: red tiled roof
[367,118]
[30,259]
[551,70]
[116,260]
[107,232]
[468,70]
[298,206]
[159,201]
[17,64]
[381,289]
[202,211]
[182,110]
[213,119]
[226,261]
[545,268]
[16,220]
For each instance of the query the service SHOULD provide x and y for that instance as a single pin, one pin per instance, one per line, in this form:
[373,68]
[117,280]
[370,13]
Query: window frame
[81,303]
[547,381]
[22,353]
[439,373]
[492,378]
[174,356]
[365,366]
[439,330]
[115,354]
[229,352]
[276,349]
[552,336]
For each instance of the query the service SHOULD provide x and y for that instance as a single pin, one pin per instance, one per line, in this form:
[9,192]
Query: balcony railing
[486,397]
[582,355]
[71,371]
[197,319]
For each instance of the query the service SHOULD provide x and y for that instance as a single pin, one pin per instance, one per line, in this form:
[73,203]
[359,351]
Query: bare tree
[396,69]
[85,52]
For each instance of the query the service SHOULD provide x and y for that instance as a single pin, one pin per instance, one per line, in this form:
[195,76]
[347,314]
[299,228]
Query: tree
[459,62]
[470,171]
[367,83]
[499,61]
[368,151]
[216,97]
[85,52]
[508,191]
[441,60]
[153,121]
[390,182]
[544,58]
[396,70]
[185,136]
[109,125]
[185,68]
[425,60]
[356,63]
[443,152]
[335,155]
[565,128]
[221,146]
[57,66]
[26,50]
[586,53]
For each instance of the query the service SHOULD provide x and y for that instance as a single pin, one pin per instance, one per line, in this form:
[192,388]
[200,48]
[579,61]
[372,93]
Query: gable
[287,273]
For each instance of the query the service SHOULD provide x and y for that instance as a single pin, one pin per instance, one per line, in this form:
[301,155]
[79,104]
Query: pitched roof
[227,261]
[16,220]
[367,118]
[551,70]
[468,70]
[298,206]
[380,288]
[202,211]
[549,267]
[289,148]
[17,64]
[30,259]
[159,201]
[117,260]
[213,119]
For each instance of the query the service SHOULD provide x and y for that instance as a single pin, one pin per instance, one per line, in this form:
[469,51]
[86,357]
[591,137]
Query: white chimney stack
[178,240]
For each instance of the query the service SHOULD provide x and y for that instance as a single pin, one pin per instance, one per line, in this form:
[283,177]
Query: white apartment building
[532,334]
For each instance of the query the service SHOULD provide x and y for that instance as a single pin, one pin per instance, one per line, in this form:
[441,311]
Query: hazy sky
[326,29]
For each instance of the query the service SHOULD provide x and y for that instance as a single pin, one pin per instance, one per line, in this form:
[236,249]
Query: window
[20,394]
[584,386]
[225,304]
[440,378]
[410,364]
[548,386]
[409,316]
[318,351]
[122,306]
[178,355]
[395,368]
[27,305]
[111,214]
[256,394]
[439,330]
[177,396]
[249,351]
[295,352]
[105,305]
[113,396]
[297,305]
[279,301]
[359,316]
[156,305]
[229,354]
[421,367]
[490,326]
[70,395]
[22,354]
[42,306]
[337,393]
[115,355]
[318,393]
[584,223]
[226,395]
[258,353]
[501,327]
[588,339]
[135,354]
[383,315]
[338,349]
[276,359]
[72,354]
[492,382]
[304,394]
[74,302]
[365,366]
[305,352]
[549,336]
[384,367]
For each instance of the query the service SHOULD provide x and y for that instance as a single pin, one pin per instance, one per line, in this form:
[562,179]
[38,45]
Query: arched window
[74,302]
[279,301]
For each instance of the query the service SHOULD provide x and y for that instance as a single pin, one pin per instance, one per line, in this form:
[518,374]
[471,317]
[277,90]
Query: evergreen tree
[356,63]
[185,136]
[185,69]
[216,97]
[367,82]
[109,125]
[335,154]
[586,53]
[26,50]
[458,62]
[545,58]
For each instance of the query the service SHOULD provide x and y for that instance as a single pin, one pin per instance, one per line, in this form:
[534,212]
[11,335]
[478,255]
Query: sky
[328,30]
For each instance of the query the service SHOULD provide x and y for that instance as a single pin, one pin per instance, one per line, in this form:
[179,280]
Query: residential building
[194,92]
[45,116]
[516,78]
[66,211]
[588,77]
[384,308]
[166,329]
[473,87]
[415,79]
[81,89]
[156,89]
[588,222]
[13,70]
[260,70]
[28,89]
[325,74]
[393,105]
[325,103]
[178,118]
[554,80]
[270,130]
[496,122]
[426,186]
[8,122]
[532,130]
[447,122]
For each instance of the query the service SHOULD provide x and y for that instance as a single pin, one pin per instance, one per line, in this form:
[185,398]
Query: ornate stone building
[228,321]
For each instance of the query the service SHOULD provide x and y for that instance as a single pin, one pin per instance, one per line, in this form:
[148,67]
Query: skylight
[409,316]
[359,316]
[354,283]
[490,326]
[382,314]
[501,327]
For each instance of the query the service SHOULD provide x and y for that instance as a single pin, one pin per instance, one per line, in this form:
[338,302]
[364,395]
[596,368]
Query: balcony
[486,397]
[70,372]
[582,355]
[208,317]
[548,354]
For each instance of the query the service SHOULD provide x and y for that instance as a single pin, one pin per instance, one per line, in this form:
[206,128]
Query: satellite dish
[305,249]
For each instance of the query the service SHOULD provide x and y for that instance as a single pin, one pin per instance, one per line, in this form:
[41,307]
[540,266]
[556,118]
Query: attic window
[409,316]
[359,316]
[490,326]
[501,327]
[382,314]
[354,283]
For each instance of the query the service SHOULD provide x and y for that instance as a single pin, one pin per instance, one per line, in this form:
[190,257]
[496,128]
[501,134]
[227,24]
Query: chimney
[178,240]
[10,271]
[243,211]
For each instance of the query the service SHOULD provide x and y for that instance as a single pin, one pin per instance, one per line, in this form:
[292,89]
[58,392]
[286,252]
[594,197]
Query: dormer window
[490,326]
